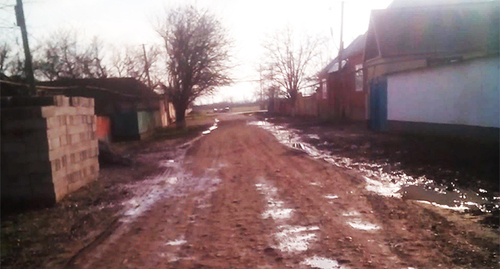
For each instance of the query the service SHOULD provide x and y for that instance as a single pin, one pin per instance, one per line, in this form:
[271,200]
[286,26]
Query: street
[237,198]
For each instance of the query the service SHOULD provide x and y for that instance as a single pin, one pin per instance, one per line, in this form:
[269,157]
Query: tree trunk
[180,116]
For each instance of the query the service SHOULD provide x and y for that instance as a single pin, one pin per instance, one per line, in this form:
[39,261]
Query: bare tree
[197,49]
[61,55]
[4,54]
[135,62]
[11,61]
[289,59]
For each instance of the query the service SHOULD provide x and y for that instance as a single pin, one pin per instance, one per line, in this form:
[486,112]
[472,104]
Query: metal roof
[436,30]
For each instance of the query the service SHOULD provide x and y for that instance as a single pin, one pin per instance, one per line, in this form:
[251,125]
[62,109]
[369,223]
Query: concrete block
[83,155]
[73,158]
[77,147]
[57,132]
[54,143]
[65,101]
[61,100]
[95,152]
[53,122]
[65,110]
[76,129]
[64,161]
[74,101]
[84,111]
[62,120]
[63,141]
[49,111]
[61,192]
[86,102]
[83,136]
[75,185]
[83,164]
[75,138]
[56,153]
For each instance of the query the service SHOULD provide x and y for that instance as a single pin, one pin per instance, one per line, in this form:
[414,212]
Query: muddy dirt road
[237,198]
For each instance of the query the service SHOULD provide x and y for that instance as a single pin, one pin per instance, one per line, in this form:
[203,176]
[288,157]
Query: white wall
[466,93]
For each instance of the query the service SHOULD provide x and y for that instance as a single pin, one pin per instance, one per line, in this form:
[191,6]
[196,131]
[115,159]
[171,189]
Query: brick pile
[49,148]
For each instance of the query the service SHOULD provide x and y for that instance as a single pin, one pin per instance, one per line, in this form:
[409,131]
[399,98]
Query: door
[378,104]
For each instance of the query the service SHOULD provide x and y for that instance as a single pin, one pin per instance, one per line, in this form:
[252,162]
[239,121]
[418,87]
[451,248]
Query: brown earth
[49,237]
[237,198]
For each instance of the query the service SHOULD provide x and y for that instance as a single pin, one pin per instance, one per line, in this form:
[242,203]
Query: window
[358,77]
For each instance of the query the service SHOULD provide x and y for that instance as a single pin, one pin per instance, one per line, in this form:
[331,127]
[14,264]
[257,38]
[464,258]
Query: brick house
[341,94]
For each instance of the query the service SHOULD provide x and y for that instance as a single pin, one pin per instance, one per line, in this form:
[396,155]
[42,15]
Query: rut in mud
[240,199]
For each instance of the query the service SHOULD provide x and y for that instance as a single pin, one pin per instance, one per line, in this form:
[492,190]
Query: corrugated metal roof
[438,30]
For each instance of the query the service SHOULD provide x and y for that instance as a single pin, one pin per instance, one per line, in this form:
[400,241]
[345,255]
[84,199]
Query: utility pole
[146,66]
[341,34]
[27,54]
[261,89]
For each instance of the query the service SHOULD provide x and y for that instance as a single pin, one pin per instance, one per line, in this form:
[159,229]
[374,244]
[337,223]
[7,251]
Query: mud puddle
[386,179]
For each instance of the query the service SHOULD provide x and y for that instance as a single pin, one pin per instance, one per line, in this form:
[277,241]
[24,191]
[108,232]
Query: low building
[125,107]
[341,94]
[435,69]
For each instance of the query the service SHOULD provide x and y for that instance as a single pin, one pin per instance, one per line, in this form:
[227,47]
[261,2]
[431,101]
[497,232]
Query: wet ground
[449,172]
[250,193]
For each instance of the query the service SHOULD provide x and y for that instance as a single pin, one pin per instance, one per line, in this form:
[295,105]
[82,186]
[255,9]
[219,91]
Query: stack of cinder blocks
[49,148]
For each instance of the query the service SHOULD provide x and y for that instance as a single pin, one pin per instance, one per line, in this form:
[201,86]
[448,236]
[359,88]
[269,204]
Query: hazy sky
[131,22]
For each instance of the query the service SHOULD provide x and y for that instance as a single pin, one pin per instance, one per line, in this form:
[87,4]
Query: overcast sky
[131,22]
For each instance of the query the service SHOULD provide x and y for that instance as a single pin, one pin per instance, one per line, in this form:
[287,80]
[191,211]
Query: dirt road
[237,198]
